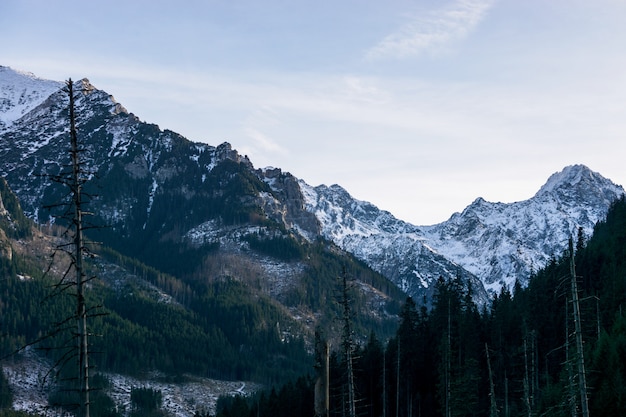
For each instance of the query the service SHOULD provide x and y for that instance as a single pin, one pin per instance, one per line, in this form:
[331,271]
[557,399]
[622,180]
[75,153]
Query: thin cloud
[263,142]
[432,31]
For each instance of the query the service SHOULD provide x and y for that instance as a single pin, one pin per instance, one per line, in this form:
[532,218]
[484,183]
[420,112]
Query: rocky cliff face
[289,205]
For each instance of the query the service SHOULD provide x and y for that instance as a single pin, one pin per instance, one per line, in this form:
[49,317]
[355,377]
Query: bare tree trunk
[580,358]
[533,369]
[506,395]
[448,365]
[384,385]
[322,396]
[526,381]
[493,411]
[81,310]
[571,393]
[348,346]
[398,380]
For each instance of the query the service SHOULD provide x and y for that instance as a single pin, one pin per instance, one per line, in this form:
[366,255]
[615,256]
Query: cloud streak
[434,30]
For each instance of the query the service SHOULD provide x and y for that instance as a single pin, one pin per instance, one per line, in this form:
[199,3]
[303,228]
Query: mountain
[502,243]
[199,213]
[160,194]
[396,249]
[489,244]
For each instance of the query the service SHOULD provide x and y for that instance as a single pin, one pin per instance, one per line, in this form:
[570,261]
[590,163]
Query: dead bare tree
[493,409]
[74,279]
[580,358]
[348,345]
[81,309]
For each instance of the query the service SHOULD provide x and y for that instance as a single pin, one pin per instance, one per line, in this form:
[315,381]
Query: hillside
[228,325]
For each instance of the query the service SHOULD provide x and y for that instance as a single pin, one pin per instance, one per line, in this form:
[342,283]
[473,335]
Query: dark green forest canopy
[219,328]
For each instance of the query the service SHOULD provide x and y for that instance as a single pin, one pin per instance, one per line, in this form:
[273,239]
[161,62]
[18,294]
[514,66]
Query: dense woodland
[218,327]
[514,357]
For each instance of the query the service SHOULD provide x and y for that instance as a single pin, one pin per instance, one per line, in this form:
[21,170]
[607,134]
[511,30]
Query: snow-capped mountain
[180,207]
[396,249]
[158,192]
[495,242]
[504,242]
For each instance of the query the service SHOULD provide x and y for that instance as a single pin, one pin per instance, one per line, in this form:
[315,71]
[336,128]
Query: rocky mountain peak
[576,181]
[225,151]
[502,243]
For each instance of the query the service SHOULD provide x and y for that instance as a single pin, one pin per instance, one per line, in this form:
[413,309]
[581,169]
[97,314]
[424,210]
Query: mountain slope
[396,249]
[21,92]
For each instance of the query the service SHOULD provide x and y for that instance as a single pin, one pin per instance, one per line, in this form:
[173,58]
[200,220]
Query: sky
[418,107]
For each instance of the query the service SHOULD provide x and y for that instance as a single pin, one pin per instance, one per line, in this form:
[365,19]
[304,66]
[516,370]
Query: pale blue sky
[416,106]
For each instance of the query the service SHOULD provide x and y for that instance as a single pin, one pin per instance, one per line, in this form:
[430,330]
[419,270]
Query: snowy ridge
[32,143]
[396,249]
[20,93]
[496,242]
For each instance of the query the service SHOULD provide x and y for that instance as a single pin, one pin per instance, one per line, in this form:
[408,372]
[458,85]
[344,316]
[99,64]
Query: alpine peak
[573,176]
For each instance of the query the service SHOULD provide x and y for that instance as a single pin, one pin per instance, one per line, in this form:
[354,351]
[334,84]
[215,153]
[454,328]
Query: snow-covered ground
[182,399]
[27,376]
